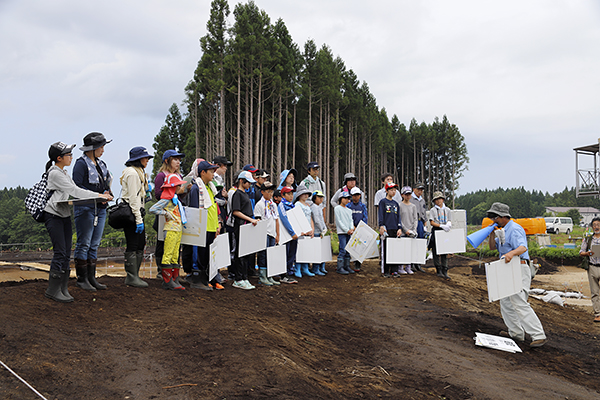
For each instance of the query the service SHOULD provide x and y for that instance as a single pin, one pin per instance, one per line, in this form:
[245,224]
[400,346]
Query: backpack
[37,198]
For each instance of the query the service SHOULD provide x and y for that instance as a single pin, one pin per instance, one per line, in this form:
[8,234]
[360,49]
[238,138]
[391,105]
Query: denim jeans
[88,235]
[343,240]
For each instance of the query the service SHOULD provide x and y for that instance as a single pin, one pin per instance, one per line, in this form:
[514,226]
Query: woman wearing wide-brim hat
[135,185]
[90,173]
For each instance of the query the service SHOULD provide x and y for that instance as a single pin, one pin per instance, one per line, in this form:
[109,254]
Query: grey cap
[349,176]
[419,186]
[500,209]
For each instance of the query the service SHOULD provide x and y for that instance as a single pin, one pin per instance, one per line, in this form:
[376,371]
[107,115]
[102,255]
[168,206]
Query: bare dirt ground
[333,337]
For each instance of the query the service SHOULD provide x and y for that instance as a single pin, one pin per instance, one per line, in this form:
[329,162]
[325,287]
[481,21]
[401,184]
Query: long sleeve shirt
[134,186]
[421,207]
[343,219]
[388,214]
[317,216]
[409,217]
[283,208]
[63,186]
[359,212]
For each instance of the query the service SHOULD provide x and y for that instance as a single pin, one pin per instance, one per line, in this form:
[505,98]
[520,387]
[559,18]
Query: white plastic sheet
[276,260]
[361,242]
[503,279]
[194,231]
[219,255]
[450,242]
[406,250]
[253,238]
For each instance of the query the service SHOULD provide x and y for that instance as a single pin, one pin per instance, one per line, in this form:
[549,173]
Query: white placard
[276,260]
[284,235]
[450,242]
[309,250]
[194,231]
[374,253]
[298,220]
[360,244]
[326,253]
[595,248]
[496,342]
[253,238]
[503,279]
[405,250]
[219,255]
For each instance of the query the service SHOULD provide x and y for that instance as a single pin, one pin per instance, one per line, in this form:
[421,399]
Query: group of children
[253,198]
[406,219]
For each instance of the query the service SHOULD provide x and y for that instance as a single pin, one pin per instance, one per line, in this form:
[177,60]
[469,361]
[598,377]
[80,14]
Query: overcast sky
[520,79]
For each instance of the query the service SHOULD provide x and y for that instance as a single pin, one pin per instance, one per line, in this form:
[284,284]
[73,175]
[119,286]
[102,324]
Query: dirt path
[333,337]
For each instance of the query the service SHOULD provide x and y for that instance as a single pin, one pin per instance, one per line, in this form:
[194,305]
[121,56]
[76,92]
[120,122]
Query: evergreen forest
[259,98]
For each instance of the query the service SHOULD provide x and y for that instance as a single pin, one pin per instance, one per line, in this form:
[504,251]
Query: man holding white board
[511,241]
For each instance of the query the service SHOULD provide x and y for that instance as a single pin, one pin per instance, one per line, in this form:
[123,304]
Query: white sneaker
[239,284]
[408,270]
[401,271]
[248,285]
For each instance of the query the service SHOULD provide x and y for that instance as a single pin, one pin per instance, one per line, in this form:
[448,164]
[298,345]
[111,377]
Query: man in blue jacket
[359,213]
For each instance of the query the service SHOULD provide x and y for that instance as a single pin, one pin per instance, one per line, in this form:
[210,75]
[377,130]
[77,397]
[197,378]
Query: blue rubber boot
[322,269]
[297,272]
[305,270]
[316,270]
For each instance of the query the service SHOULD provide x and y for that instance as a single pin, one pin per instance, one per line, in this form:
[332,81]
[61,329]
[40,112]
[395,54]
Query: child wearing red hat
[170,206]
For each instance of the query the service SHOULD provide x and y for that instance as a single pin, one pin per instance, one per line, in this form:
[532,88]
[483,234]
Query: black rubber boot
[54,290]
[91,275]
[82,275]
[445,273]
[64,284]
[417,268]
[132,278]
[438,272]
[340,268]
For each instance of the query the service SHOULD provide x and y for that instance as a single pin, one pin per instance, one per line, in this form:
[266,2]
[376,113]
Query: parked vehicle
[559,224]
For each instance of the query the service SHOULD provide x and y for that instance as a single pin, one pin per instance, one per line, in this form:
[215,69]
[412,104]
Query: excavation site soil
[333,337]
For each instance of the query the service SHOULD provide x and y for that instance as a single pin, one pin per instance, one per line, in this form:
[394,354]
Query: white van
[559,225]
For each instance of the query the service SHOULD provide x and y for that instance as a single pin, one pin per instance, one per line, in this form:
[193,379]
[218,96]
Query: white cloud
[521,72]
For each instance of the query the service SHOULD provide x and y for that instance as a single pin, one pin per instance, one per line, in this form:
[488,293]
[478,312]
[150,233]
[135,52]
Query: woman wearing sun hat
[90,173]
[57,218]
[135,185]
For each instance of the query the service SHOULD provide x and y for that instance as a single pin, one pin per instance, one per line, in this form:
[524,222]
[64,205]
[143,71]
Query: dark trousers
[61,235]
[239,265]
[135,241]
[202,257]
[388,268]
[439,261]
[159,250]
[187,257]
[290,248]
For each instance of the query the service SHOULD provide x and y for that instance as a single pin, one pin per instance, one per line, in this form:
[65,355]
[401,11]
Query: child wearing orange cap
[170,206]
